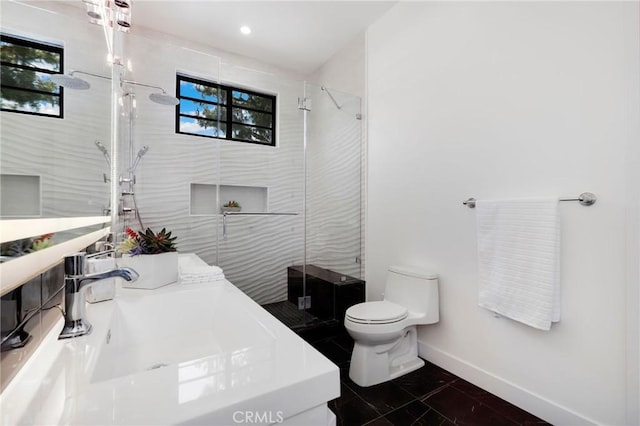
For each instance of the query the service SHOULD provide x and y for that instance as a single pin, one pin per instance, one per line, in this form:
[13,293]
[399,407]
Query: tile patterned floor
[428,396]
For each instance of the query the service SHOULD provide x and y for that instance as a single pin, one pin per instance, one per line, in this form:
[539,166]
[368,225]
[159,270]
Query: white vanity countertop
[141,364]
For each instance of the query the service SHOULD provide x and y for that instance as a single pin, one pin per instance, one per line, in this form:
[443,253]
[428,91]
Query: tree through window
[25,82]
[225,112]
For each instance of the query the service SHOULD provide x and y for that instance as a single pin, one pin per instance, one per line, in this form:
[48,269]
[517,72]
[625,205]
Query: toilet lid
[377,312]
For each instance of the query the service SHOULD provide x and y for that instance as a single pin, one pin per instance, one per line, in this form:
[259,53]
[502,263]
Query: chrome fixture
[142,152]
[104,151]
[324,89]
[75,281]
[159,98]
[69,81]
[123,19]
[585,199]
[100,12]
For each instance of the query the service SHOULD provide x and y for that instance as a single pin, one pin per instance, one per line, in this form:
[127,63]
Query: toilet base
[374,364]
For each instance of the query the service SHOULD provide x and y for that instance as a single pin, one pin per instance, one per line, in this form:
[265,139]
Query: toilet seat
[382,312]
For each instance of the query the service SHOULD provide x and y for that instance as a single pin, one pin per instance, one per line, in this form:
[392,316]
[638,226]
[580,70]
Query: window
[25,82]
[219,111]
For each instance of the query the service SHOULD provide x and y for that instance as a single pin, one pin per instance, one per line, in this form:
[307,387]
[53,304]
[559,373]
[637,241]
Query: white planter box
[155,270]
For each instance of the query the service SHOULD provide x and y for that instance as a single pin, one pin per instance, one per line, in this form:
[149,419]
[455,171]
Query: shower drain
[156,366]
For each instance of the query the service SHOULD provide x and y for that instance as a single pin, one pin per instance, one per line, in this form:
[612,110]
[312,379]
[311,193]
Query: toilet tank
[416,289]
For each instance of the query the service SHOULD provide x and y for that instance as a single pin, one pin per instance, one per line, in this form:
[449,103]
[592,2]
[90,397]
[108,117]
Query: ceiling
[295,35]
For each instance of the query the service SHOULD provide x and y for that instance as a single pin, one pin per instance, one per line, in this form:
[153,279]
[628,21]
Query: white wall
[501,100]
[345,70]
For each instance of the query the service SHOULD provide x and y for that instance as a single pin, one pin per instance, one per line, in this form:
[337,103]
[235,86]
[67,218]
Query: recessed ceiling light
[245,30]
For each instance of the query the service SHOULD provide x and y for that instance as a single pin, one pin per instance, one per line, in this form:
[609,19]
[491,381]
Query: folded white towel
[192,270]
[519,259]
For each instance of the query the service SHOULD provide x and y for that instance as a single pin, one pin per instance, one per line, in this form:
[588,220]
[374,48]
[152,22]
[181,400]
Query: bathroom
[512,100]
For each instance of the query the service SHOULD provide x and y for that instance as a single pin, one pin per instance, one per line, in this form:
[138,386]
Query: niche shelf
[203,198]
[20,195]
[250,198]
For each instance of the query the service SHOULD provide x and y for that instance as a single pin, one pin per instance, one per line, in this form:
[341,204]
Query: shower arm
[324,89]
[89,73]
[135,83]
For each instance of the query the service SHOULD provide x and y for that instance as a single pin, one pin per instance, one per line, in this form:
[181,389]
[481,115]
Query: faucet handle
[74,264]
[100,253]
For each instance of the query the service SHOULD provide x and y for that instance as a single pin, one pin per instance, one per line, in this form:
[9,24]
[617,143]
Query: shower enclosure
[299,201]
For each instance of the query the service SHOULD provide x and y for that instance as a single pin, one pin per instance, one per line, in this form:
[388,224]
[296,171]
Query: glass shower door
[333,203]
[261,240]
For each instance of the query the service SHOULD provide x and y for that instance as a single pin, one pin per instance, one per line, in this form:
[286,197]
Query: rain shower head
[72,82]
[163,99]
[159,98]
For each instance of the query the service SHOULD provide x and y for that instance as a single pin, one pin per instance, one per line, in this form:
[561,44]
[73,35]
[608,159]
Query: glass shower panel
[175,175]
[262,239]
[334,202]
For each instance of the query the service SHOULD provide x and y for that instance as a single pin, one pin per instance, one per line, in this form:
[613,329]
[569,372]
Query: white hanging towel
[519,259]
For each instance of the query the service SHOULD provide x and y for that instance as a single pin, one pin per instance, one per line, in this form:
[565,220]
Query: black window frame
[40,46]
[227,120]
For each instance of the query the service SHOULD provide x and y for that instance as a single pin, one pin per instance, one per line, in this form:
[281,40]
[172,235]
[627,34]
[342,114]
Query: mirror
[50,166]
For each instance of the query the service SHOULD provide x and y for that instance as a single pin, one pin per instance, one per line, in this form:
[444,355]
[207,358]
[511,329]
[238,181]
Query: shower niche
[202,198]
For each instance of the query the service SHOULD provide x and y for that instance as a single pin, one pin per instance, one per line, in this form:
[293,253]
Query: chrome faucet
[75,281]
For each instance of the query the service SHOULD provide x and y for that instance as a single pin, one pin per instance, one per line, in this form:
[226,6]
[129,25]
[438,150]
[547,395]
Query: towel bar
[586,199]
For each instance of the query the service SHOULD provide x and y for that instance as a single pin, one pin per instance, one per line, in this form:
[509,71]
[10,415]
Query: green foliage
[147,242]
[26,78]
[152,243]
[211,115]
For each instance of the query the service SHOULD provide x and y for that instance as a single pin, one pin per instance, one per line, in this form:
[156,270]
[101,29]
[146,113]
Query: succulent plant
[147,242]
[153,243]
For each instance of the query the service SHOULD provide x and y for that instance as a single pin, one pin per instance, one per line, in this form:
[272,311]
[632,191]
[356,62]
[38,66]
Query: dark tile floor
[428,396]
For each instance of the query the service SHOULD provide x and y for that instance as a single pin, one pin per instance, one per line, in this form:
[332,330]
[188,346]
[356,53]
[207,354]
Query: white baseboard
[528,401]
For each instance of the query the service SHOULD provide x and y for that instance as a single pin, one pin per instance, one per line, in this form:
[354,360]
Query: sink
[183,329]
[180,354]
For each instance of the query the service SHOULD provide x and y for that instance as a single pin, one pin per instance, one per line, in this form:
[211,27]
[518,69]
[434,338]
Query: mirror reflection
[55,142]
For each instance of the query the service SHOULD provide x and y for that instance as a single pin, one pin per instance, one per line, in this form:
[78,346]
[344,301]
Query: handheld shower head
[101,147]
[104,151]
[142,152]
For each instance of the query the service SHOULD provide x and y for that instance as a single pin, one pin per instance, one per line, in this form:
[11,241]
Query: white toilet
[386,344]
